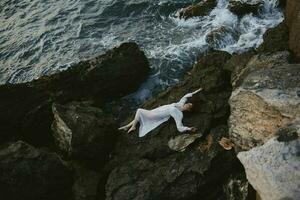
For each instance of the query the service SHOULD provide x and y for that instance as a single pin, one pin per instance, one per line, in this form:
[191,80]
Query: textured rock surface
[84,133]
[266,100]
[27,173]
[146,168]
[180,142]
[201,9]
[274,168]
[242,7]
[25,109]
[292,16]
[242,65]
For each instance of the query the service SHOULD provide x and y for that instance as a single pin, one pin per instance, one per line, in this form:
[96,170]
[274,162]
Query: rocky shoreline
[58,141]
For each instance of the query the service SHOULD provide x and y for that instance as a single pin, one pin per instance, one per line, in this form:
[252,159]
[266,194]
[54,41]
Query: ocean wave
[42,37]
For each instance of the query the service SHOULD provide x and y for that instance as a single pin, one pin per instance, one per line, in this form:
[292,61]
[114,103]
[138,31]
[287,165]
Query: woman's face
[187,106]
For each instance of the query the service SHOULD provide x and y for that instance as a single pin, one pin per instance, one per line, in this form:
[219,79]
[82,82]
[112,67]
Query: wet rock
[243,7]
[292,16]
[179,143]
[26,108]
[201,9]
[220,37]
[146,168]
[265,101]
[274,168]
[27,173]
[275,39]
[84,133]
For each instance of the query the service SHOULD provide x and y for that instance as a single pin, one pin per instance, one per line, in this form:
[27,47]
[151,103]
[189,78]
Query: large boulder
[292,16]
[275,39]
[84,133]
[146,168]
[201,9]
[274,168]
[243,7]
[266,99]
[26,108]
[27,173]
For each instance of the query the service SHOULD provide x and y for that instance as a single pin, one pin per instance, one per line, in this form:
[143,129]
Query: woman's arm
[184,98]
[178,120]
[177,116]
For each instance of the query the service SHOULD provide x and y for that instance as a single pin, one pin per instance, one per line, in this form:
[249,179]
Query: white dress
[150,119]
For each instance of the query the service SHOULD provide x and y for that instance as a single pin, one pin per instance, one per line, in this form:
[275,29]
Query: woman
[150,119]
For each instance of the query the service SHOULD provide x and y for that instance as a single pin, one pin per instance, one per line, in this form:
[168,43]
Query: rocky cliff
[265,111]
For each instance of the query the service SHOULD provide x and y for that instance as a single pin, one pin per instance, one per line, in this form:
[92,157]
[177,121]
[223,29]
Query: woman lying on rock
[150,119]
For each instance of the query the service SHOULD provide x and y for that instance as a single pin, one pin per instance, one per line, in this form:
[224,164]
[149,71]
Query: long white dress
[150,119]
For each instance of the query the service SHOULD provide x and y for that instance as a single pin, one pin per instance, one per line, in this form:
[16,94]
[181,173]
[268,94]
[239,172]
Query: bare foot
[125,128]
[131,129]
[226,143]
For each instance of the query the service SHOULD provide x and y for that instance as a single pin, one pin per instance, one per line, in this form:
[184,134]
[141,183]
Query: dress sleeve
[177,115]
[184,98]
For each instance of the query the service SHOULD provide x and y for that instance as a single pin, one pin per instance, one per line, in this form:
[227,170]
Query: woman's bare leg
[135,121]
[126,127]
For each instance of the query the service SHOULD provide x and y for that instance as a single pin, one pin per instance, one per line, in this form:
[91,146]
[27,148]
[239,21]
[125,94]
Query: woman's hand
[200,89]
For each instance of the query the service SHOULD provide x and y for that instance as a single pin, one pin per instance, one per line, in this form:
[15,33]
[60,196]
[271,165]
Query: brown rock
[241,8]
[265,101]
[275,39]
[292,16]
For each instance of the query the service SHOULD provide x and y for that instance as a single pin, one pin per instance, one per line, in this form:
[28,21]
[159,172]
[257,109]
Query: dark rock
[27,173]
[275,39]
[26,108]
[282,3]
[292,17]
[85,182]
[84,133]
[241,8]
[146,168]
[237,65]
[201,9]
[220,37]
[289,132]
